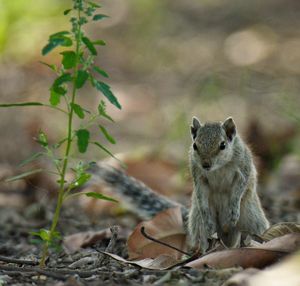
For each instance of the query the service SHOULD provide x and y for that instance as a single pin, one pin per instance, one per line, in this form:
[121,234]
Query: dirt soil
[27,211]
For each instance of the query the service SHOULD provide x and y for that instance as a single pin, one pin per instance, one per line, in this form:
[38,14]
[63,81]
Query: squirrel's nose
[206,165]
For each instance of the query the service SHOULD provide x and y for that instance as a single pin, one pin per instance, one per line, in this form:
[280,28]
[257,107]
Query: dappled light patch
[248,47]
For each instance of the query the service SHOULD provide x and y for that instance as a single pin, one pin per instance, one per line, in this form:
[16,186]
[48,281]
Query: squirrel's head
[212,144]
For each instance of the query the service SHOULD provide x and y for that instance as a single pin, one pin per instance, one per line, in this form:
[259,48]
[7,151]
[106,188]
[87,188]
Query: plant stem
[61,191]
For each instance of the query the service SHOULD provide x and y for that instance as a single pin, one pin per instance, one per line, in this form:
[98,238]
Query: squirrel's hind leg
[231,238]
[252,217]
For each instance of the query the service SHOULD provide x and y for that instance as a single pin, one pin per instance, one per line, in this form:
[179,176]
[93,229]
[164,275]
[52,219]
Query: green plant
[76,69]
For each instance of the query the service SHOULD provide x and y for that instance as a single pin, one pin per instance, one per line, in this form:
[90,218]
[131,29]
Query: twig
[110,247]
[115,232]
[18,261]
[162,242]
[58,273]
[31,271]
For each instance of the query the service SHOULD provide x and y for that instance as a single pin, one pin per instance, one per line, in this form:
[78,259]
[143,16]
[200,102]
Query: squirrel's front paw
[203,245]
[209,224]
[231,220]
[210,228]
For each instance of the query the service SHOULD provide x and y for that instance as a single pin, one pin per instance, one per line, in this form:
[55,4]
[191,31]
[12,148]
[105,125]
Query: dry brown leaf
[258,257]
[162,262]
[280,229]
[284,273]
[288,243]
[78,240]
[244,257]
[167,226]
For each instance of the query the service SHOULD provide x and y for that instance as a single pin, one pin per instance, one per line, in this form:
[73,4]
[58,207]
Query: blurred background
[168,60]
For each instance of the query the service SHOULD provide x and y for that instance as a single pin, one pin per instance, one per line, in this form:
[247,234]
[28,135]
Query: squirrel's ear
[195,126]
[229,127]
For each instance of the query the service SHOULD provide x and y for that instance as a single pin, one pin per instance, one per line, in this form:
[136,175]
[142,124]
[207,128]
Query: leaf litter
[281,239]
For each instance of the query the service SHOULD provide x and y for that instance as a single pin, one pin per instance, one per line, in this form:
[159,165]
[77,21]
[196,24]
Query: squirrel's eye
[222,145]
[195,147]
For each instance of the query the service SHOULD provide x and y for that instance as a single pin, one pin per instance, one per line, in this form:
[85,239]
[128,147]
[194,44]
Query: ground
[86,265]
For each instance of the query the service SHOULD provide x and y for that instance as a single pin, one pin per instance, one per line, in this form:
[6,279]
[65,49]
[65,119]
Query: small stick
[18,261]
[161,242]
[114,236]
[52,272]
[111,245]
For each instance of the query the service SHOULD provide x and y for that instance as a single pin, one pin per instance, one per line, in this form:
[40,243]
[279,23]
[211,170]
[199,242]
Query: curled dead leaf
[161,262]
[280,229]
[258,257]
[167,226]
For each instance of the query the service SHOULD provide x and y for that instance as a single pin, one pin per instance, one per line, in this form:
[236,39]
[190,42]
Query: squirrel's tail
[143,201]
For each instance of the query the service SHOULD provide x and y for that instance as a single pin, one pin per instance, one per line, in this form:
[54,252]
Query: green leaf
[108,152]
[52,67]
[69,59]
[57,145]
[44,234]
[89,11]
[56,234]
[79,169]
[21,104]
[82,21]
[31,158]
[66,12]
[105,89]
[83,137]
[54,97]
[58,35]
[100,71]
[23,175]
[89,45]
[78,110]
[102,111]
[62,79]
[98,17]
[99,42]
[50,46]
[93,4]
[59,89]
[82,167]
[100,196]
[107,135]
[81,78]
[85,177]
[67,42]
[55,41]
[42,138]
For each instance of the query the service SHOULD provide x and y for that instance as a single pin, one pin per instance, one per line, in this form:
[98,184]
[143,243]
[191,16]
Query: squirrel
[224,199]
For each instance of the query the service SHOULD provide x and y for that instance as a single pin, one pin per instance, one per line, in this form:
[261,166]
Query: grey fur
[141,200]
[224,198]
